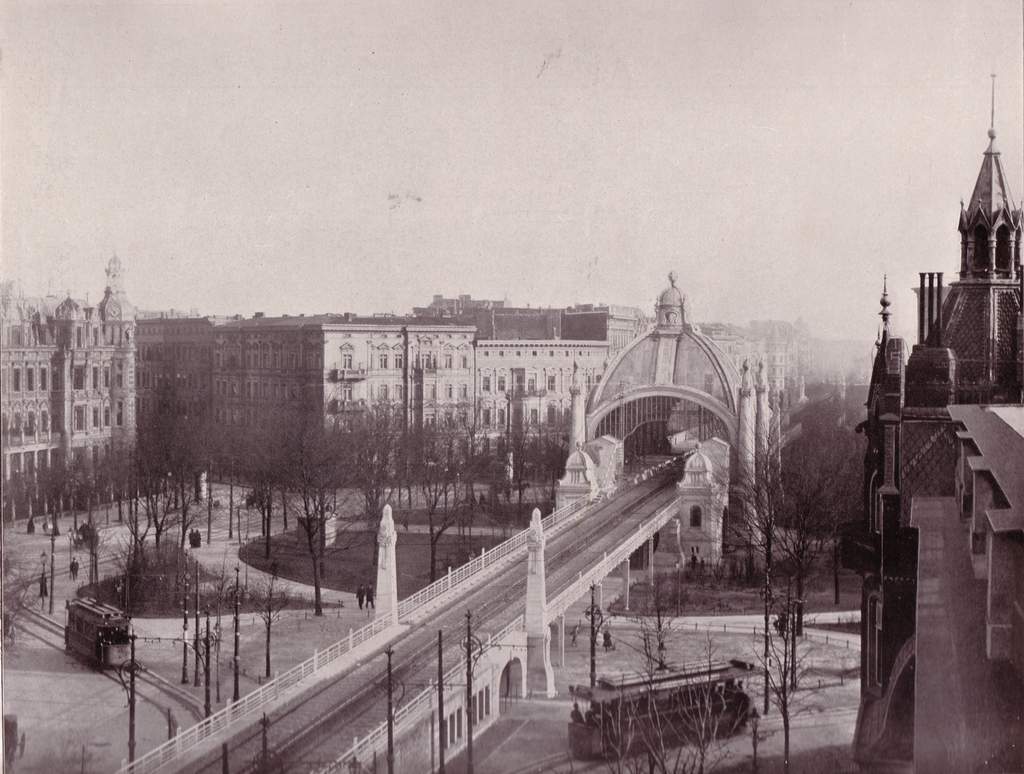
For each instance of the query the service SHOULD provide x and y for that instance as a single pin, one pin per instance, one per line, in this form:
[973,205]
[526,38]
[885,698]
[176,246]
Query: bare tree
[271,601]
[374,439]
[435,474]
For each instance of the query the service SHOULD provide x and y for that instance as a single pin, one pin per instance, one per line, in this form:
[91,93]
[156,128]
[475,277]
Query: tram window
[487,700]
[458,723]
[451,728]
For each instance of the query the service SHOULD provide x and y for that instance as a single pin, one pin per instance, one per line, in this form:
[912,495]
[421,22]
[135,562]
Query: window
[447,361]
[501,384]
[30,379]
[399,361]
[551,383]
[382,361]
[78,337]
[696,516]
[382,392]
[120,375]
[552,414]
[120,413]
[533,416]
[44,423]
[106,377]
[463,390]
[16,381]
[95,416]
[531,384]
[451,729]
[31,424]
[95,377]
[79,377]
[449,391]
[106,416]
[399,392]
[346,392]
[465,362]
[485,384]
[79,418]
[486,417]
[346,360]
[42,379]
[501,417]
[432,392]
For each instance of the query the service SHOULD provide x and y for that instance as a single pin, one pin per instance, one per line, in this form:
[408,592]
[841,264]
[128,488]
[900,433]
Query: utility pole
[195,640]
[53,542]
[209,503]
[231,496]
[264,752]
[469,692]
[596,619]
[767,611]
[391,715]
[206,665]
[442,724]
[184,630]
[234,694]
[131,701]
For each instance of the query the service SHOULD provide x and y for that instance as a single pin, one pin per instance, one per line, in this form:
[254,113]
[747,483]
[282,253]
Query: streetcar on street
[676,704]
[97,633]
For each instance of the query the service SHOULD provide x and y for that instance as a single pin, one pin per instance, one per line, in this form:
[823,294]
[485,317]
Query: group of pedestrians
[364,596]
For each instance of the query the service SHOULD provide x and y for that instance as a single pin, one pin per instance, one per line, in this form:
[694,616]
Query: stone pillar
[776,432]
[625,583]
[540,678]
[386,590]
[578,431]
[561,640]
[745,429]
[762,414]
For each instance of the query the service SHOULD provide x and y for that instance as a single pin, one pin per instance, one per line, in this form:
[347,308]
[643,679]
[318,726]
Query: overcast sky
[351,156]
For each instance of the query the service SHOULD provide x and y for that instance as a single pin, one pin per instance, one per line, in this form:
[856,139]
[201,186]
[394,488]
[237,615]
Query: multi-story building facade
[335,364]
[174,362]
[526,382]
[68,380]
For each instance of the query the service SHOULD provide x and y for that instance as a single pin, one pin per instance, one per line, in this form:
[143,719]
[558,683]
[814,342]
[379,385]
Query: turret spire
[885,303]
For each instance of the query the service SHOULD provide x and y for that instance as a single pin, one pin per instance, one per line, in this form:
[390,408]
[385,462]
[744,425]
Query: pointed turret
[990,222]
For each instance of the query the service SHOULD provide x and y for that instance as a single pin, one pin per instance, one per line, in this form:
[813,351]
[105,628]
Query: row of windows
[80,377]
[522,353]
[258,390]
[267,359]
[480,709]
[29,383]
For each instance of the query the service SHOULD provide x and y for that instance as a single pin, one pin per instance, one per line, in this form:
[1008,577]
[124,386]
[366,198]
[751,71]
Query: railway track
[317,727]
[51,633]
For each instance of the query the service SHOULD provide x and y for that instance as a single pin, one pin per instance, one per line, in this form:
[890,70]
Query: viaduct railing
[409,714]
[609,562]
[242,711]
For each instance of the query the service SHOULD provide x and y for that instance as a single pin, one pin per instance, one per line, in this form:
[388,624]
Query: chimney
[920,311]
[938,313]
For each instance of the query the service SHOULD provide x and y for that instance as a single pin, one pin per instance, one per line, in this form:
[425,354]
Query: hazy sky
[351,156]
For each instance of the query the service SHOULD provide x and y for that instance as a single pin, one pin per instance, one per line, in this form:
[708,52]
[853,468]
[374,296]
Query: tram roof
[698,673]
[98,609]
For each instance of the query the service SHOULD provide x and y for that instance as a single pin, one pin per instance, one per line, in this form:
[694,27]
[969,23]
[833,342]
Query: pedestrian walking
[360,595]
[21,745]
[74,568]
[575,633]
[369,597]
[42,585]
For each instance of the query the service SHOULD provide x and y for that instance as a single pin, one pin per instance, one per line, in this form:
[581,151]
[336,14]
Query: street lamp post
[596,619]
[53,543]
[234,694]
[206,666]
[184,630]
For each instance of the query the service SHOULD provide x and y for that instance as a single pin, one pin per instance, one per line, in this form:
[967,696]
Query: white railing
[235,714]
[609,562]
[486,559]
[408,714]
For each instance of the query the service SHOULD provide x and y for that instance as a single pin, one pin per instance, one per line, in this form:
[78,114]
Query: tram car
[677,704]
[97,633]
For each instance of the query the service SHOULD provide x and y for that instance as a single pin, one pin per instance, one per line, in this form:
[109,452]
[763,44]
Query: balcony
[858,547]
[346,374]
[336,407]
[521,392]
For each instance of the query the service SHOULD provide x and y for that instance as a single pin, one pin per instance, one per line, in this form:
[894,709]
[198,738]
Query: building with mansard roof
[68,384]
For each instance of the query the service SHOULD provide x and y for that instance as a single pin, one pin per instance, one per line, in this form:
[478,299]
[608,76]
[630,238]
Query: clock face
[113,311]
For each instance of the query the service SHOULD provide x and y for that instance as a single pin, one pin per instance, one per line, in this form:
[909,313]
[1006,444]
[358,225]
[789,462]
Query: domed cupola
[670,311]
